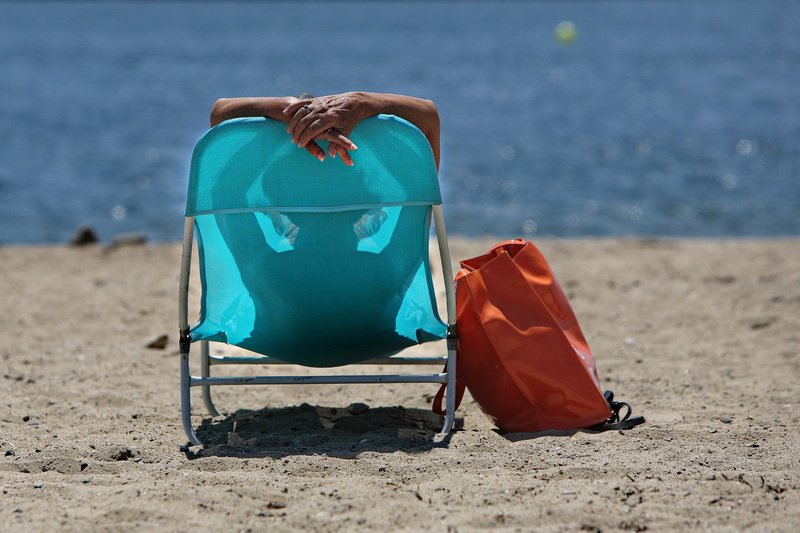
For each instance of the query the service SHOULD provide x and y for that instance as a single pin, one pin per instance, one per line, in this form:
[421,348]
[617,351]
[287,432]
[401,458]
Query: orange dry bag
[521,352]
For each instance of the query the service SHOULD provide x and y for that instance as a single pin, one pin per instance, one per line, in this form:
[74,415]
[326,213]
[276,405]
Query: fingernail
[321,157]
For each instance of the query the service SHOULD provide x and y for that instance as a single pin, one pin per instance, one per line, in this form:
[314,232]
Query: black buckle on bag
[617,421]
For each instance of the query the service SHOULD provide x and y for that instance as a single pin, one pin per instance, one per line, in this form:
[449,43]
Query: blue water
[669,118]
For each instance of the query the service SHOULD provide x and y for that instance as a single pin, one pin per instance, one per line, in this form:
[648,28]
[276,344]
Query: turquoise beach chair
[313,263]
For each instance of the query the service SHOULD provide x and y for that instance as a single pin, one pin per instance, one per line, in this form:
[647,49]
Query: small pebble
[726,420]
[357,408]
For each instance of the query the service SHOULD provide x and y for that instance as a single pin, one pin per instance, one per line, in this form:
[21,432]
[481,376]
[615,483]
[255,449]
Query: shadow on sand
[343,432]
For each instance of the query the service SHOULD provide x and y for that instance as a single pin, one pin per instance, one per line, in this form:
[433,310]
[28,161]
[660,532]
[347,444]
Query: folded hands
[330,118]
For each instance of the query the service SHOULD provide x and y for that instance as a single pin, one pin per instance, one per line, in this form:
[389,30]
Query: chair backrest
[314,263]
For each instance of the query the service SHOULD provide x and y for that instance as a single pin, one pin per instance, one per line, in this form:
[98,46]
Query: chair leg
[450,393]
[205,371]
[186,401]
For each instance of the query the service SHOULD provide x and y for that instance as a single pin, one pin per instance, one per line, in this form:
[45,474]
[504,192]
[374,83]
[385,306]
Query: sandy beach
[702,337]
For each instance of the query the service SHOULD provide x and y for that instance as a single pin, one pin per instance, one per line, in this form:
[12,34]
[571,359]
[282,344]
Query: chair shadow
[342,432]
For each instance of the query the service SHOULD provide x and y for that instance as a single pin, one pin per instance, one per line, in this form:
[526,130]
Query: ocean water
[662,118]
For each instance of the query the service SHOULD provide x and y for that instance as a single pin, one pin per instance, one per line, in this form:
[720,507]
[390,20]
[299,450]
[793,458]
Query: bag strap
[615,421]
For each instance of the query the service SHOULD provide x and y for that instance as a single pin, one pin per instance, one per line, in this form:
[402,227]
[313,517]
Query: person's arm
[333,117]
[263,106]
[337,115]
[268,106]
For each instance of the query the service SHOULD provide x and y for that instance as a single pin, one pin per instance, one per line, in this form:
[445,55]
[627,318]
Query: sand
[702,337]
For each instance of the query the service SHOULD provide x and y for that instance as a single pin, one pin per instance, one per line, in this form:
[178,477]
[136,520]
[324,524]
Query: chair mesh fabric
[250,164]
[314,263]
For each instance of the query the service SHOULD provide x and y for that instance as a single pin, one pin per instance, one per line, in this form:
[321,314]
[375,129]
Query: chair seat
[312,298]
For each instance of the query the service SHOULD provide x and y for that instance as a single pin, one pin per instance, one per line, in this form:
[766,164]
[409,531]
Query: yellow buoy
[566,32]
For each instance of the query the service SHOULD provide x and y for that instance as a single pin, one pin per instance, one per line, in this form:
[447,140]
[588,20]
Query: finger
[303,111]
[292,108]
[314,149]
[345,155]
[291,111]
[336,136]
[338,143]
[323,127]
[297,105]
[311,127]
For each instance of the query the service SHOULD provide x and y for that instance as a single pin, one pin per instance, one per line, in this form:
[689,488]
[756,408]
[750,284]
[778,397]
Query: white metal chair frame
[205,380]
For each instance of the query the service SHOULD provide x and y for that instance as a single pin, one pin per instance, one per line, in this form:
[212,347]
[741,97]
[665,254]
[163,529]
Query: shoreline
[701,336]
[137,238]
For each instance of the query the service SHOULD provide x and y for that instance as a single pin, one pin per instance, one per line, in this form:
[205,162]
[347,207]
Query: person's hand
[330,118]
[337,144]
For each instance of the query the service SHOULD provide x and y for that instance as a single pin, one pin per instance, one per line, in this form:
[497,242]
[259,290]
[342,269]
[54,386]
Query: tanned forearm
[268,106]
[422,113]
